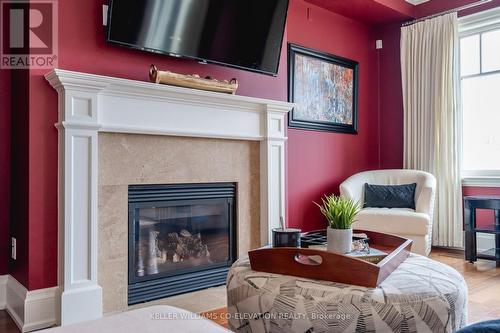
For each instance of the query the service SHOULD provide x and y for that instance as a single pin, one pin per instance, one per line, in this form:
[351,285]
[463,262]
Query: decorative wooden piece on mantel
[329,266]
[192,81]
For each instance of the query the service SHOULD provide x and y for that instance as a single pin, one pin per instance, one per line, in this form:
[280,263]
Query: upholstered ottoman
[420,295]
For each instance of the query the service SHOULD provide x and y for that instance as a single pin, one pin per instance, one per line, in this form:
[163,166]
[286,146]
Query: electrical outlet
[14,248]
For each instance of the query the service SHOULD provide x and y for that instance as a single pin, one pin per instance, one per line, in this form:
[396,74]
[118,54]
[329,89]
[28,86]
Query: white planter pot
[339,240]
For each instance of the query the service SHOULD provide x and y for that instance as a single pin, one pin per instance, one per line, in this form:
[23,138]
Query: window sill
[481,181]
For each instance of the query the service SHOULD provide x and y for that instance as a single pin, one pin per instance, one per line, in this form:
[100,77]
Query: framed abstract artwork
[324,88]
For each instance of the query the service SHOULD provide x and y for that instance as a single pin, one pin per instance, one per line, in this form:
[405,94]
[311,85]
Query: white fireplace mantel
[89,104]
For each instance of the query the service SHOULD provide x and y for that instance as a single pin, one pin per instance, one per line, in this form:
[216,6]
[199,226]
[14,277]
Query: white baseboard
[3,291]
[484,241]
[16,294]
[41,308]
[30,310]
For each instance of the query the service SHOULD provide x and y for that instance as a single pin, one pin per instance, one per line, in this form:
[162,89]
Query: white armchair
[413,224]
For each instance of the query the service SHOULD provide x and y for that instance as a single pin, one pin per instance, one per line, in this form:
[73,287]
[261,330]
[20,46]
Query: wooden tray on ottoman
[334,267]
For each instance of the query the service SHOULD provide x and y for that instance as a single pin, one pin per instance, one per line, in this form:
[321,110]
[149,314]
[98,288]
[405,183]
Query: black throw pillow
[390,196]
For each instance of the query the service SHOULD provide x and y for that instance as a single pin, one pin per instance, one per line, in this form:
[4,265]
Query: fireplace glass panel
[181,237]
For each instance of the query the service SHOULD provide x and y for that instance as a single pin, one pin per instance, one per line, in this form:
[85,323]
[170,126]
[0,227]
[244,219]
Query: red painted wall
[19,175]
[42,211]
[372,12]
[4,169]
[317,161]
[391,99]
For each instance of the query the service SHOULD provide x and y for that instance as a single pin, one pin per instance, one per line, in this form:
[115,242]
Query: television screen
[245,34]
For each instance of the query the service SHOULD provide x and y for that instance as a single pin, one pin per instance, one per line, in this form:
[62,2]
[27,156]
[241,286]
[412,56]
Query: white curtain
[429,70]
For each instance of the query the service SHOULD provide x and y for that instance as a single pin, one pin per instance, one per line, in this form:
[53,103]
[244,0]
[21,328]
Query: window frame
[474,24]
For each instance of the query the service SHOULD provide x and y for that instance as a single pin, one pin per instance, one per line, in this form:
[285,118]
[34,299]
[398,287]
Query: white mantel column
[272,172]
[81,297]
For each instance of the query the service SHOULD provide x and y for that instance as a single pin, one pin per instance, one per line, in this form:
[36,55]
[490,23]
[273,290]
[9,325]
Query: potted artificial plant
[340,213]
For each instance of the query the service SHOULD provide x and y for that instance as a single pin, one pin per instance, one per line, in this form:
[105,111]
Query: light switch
[105,15]
[14,249]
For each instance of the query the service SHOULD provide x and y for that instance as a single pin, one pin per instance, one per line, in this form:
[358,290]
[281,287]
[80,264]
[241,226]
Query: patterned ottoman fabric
[421,295]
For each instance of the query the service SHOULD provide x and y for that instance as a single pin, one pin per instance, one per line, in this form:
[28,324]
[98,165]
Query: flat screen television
[246,34]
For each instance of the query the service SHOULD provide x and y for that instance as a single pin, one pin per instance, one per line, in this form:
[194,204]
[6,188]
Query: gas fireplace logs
[192,81]
[183,246]
[158,249]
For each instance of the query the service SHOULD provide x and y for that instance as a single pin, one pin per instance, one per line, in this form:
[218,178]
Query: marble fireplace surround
[126,159]
[90,105]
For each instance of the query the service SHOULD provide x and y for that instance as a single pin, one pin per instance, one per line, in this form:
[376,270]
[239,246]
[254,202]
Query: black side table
[471,229]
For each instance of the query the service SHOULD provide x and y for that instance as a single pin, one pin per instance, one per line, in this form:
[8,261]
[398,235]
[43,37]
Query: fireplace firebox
[182,238]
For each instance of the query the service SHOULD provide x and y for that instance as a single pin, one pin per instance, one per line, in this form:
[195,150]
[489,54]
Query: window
[480,94]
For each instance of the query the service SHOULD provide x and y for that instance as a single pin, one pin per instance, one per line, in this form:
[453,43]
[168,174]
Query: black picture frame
[293,120]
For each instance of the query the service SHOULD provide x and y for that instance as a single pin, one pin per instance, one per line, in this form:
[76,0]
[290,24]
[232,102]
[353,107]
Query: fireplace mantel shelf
[130,106]
[89,104]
